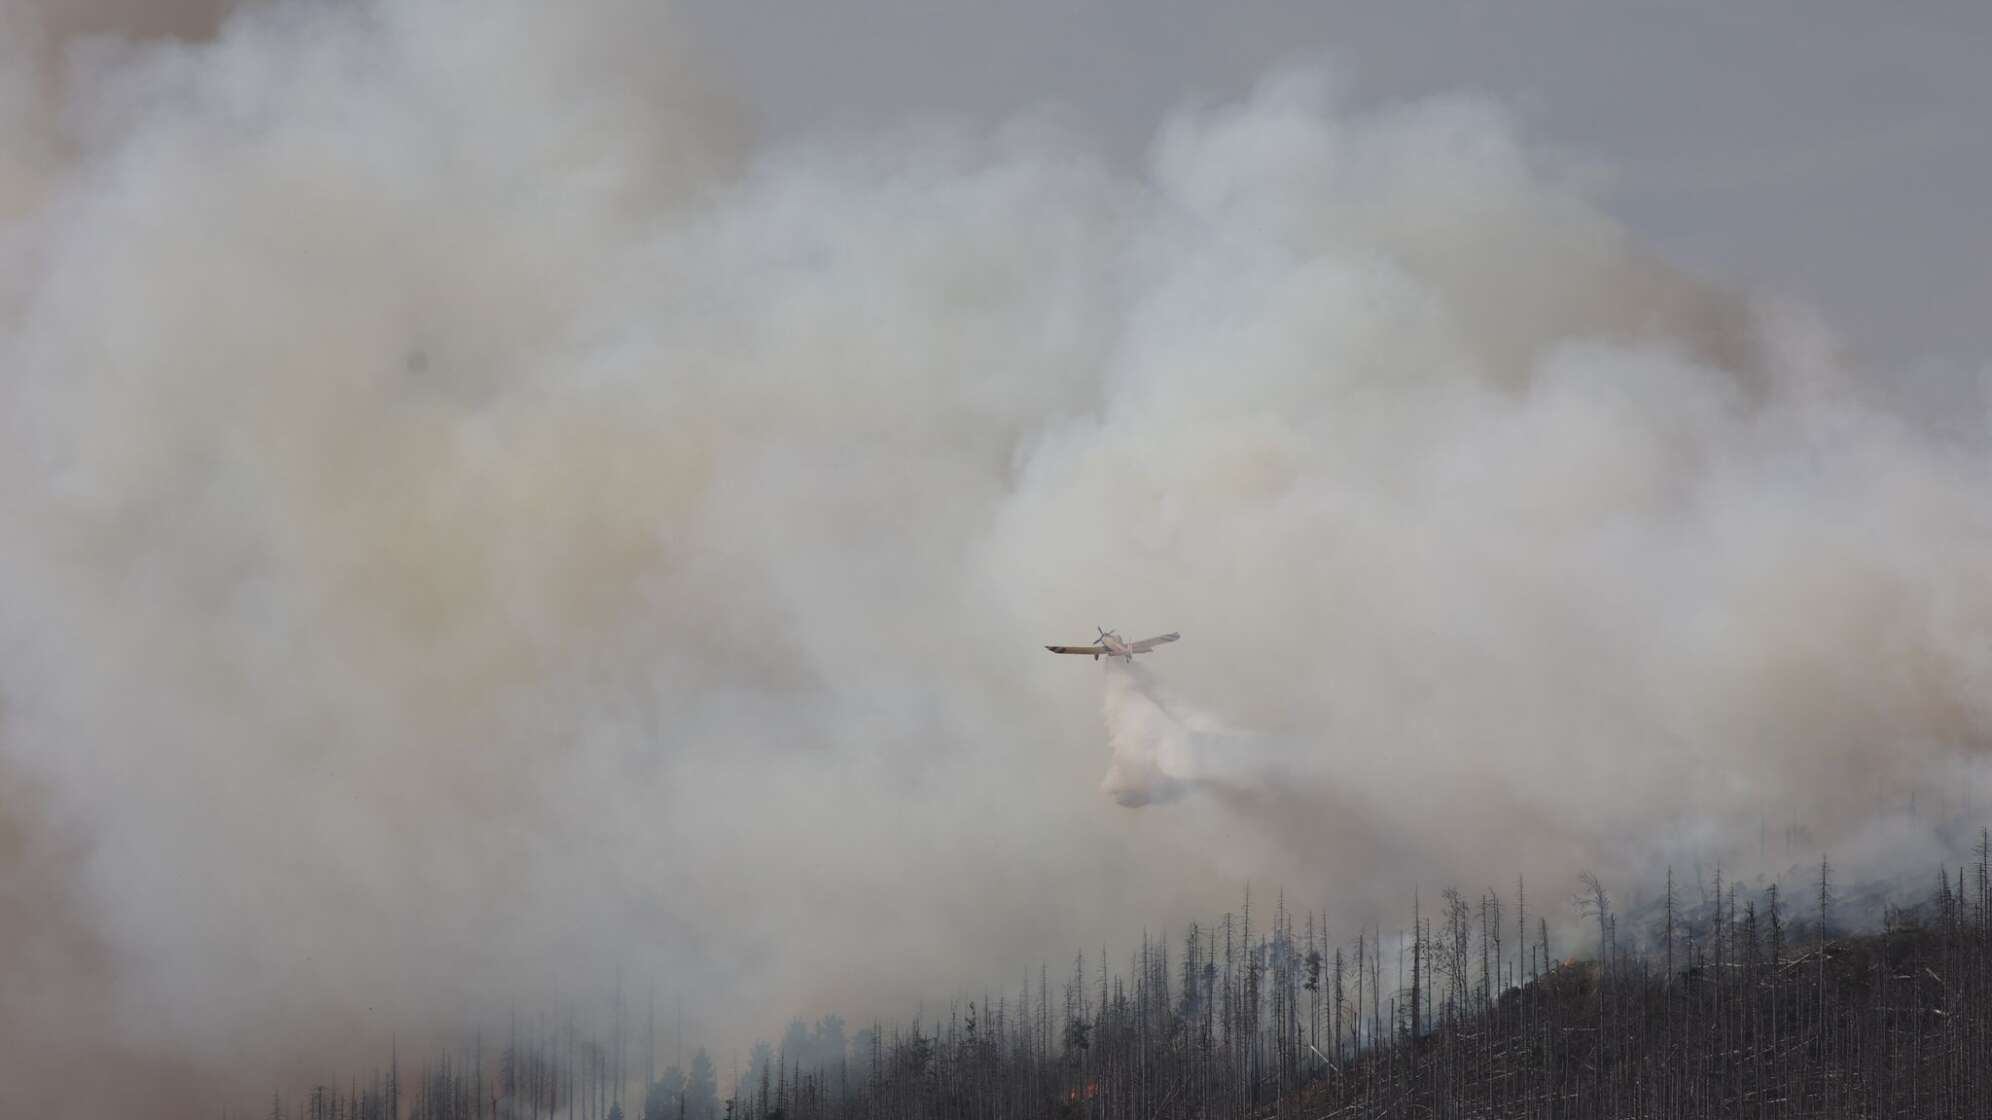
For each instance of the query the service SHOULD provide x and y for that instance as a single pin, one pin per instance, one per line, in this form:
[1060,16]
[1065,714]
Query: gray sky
[453,568]
[1832,151]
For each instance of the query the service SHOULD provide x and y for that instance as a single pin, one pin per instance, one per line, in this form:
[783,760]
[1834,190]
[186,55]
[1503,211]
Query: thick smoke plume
[473,521]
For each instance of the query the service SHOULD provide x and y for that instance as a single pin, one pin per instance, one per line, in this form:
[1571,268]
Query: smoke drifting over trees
[1760,1011]
[474,518]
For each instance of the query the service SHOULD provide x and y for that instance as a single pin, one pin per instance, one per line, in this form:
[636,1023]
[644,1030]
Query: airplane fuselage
[1111,645]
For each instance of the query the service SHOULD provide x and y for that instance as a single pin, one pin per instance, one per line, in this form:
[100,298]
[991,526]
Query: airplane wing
[1146,644]
[1094,650]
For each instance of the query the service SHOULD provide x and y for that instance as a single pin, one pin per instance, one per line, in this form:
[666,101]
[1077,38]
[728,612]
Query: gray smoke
[474,521]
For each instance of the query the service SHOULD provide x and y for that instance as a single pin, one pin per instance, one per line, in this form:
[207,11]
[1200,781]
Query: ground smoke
[472,520]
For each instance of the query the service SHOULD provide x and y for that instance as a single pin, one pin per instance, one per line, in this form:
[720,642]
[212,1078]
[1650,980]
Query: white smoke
[1162,749]
[472,520]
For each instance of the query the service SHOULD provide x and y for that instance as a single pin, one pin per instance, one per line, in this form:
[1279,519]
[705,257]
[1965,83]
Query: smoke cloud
[474,521]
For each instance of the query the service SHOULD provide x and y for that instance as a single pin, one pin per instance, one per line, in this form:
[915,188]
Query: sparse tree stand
[1710,1013]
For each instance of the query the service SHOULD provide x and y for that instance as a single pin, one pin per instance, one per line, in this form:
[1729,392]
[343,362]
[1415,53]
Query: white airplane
[1111,644]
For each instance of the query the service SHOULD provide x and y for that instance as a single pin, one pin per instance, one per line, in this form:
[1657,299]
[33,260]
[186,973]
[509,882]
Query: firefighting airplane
[1111,645]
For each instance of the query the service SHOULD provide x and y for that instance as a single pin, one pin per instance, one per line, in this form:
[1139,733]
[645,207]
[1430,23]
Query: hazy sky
[477,524]
[1831,151]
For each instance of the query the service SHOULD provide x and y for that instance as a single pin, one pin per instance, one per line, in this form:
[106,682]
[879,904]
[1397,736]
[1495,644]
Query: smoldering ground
[475,520]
